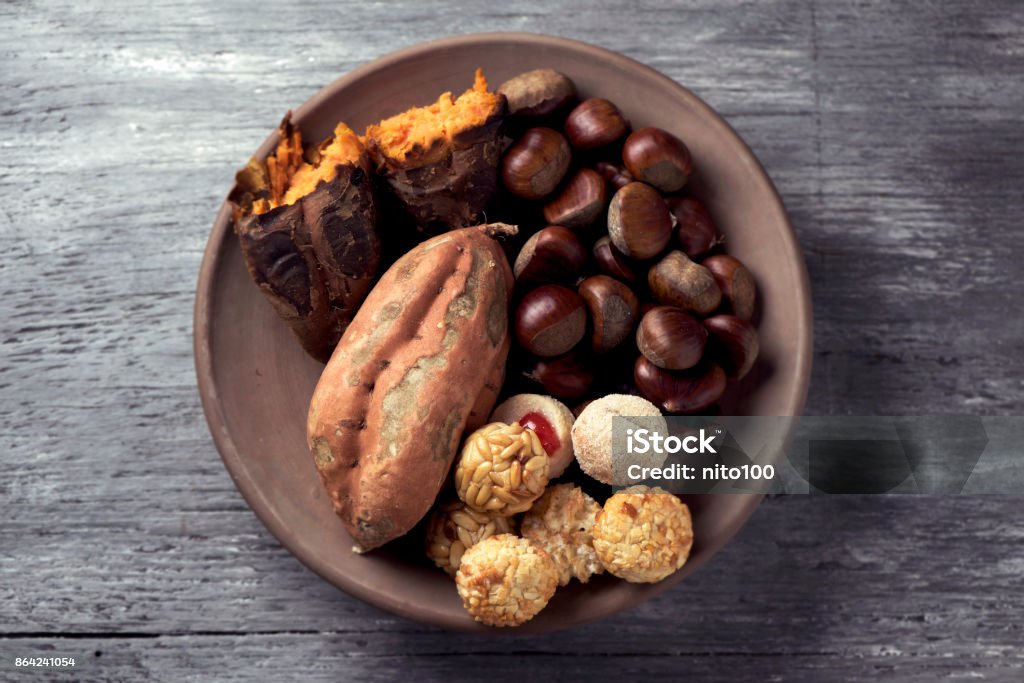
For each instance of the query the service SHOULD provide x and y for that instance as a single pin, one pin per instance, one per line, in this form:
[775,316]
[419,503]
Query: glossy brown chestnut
[554,254]
[580,202]
[638,221]
[687,391]
[735,342]
[535,163]
[675,280]
[658,158]
[736,283]
[611,261]
[695,231]
[566,377]
[614,311]
[550,320]
[616,176]
[594,123]
[671,338]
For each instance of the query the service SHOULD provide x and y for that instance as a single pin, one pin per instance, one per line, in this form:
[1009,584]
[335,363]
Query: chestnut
[567,376]
[638,221]
[679,392]
[695,233]
[537,93]
[658,158]
[550,320]
[671,338]
[610,261]
[736,346]
[616,176]
[580,202]
[535,163]
[550,255]
[613,310]
[677,281]
[736,283]
[594,123]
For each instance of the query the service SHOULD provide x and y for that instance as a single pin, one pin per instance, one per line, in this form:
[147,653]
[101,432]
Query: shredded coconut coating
[454,527]
[561,522]
[643,534]
[592,436]
[502,469]
[505,580]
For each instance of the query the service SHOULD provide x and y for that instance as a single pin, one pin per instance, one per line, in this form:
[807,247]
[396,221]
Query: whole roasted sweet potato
[441,161]
[308,232]
[421,362]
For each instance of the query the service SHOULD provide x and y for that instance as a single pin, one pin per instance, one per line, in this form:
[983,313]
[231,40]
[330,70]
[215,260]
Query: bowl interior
[256,382]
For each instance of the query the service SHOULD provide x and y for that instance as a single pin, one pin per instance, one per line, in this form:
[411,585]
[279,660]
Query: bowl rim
[211,401]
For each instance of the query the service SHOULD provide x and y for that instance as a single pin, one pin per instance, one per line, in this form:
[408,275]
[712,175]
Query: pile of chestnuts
[627,289]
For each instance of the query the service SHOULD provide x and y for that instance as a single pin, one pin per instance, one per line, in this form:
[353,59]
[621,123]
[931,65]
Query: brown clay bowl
[256,382]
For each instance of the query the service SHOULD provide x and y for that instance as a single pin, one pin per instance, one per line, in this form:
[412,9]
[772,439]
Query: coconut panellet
[549,419]
[592,436]
[455,527]
[502,469]
[643,534]
[505,580]
[560,522]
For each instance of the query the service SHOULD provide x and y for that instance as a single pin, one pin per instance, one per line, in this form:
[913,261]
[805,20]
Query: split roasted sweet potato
[308,232]
[441,161]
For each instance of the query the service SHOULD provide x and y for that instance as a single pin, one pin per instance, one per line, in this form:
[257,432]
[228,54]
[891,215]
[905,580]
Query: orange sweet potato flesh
[441,161]
[421,362]
[308,233]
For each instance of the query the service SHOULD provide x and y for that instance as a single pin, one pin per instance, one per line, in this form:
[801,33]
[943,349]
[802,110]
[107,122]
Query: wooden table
[893,132]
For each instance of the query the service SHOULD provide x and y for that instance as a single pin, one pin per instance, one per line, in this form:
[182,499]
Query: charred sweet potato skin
[342,219]
[415,366]
[277,252]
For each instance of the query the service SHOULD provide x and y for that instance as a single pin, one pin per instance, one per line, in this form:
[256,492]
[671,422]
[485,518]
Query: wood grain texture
[892,131]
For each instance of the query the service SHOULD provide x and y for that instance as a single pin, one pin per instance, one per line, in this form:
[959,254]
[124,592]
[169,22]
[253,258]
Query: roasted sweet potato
[441,161]
[308,232]
[422,360]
